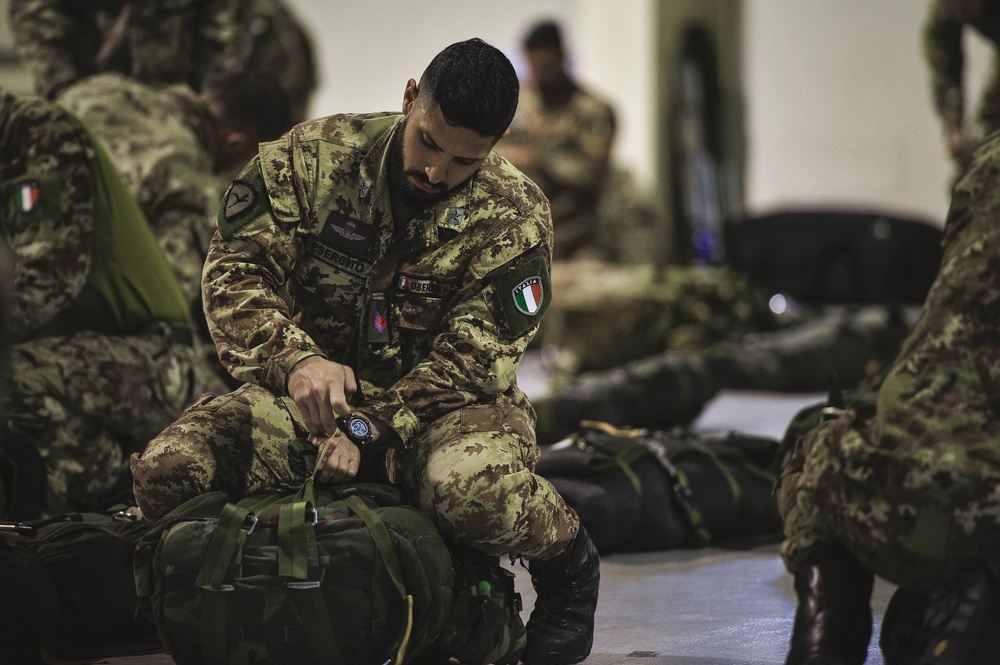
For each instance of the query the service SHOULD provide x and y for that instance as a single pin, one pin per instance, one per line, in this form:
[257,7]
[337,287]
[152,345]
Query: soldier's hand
[321,390]
[338,459]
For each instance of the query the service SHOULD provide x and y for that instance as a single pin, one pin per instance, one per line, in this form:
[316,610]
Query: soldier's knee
[161,481]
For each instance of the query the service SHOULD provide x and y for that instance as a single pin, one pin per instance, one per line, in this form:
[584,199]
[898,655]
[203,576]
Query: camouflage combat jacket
[85,258]
[431,319]
[946,57]
[162,142]
[156,41]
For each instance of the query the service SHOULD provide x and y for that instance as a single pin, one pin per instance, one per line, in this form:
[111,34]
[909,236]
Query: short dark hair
[475,85]
[544,35]
[253,102]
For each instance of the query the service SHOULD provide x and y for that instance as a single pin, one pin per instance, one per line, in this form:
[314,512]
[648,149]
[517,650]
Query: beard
[411,195]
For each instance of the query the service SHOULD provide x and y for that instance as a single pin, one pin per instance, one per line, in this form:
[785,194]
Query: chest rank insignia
[528,296]
[240,198]
[26,195]
[454,216]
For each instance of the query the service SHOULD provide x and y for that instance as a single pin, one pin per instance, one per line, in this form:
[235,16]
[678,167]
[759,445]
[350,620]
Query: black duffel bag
[640,490]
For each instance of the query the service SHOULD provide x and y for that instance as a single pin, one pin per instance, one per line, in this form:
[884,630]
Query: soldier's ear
[410,95]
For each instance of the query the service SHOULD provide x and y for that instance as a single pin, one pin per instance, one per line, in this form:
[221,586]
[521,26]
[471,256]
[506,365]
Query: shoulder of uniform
[501,179]
[513,196]
[347,129]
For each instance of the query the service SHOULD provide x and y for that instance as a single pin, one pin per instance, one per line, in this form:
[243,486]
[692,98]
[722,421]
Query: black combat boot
[561,627]
[833,621]
[951,623]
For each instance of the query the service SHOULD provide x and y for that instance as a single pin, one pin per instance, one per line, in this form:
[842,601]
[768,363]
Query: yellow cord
[401,654]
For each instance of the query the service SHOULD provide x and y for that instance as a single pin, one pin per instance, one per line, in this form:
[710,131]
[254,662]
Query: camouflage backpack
[341,575]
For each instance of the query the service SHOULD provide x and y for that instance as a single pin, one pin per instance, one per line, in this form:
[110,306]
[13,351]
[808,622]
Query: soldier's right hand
[321,390]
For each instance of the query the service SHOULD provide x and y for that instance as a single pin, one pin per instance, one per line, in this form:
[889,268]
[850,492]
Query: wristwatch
[357,428]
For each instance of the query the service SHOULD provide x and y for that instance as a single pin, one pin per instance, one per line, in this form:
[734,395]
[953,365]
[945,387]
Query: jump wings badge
[528,296]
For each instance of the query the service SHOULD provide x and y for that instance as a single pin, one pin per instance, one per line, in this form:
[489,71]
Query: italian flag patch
[528,295]
[26,196]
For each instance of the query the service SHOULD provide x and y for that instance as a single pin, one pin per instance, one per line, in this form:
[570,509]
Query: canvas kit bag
[340,574]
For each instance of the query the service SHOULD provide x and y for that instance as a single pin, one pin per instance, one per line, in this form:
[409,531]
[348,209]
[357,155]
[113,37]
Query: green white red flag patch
[26,196]
[528,295]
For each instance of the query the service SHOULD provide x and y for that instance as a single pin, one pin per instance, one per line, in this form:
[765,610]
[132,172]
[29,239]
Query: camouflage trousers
[82,399]
[471,471]
[909,511]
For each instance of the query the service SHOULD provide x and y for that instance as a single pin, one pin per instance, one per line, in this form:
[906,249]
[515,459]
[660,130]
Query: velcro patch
[245,201]
[349,234]
[524,293]
[426,285]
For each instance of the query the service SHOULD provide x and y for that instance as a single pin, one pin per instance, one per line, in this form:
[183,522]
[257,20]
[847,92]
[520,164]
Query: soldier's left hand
[338,458]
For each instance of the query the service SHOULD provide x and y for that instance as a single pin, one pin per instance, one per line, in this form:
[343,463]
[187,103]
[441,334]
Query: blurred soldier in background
[178,151]
[100,355]
[282,49]
[561,138]
[61,41]
[943,47]
[163,42]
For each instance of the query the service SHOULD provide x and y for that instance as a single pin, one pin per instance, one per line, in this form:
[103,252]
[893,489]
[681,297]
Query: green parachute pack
[333,575]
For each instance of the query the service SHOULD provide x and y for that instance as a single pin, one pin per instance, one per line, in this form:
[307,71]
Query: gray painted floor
[694,607]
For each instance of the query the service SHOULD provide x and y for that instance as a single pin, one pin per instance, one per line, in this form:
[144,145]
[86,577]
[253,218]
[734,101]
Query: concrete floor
[694,607]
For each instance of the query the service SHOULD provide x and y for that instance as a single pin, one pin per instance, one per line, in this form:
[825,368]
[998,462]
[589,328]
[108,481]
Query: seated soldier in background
[178,151]
[561,138]
[904,485]
[100,353]
[163,42]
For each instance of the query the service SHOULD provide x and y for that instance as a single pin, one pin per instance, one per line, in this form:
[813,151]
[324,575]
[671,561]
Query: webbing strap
[214,631]
[224,548]
[297,553]
[383,543]
[318,625]
[734,486]
[293,541]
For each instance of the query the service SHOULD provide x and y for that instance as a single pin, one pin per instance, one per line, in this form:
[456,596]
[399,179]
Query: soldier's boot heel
[952,623]
[833,620]
[561,626]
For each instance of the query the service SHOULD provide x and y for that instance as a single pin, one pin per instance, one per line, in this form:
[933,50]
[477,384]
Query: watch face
[359,428]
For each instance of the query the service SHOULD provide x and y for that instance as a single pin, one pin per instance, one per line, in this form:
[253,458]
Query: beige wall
[839,108]
[368,50]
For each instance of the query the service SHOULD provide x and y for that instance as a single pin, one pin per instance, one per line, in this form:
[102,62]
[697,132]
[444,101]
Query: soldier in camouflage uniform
[561,138]
[187,42]
[906,487]
[375,279]
[282,49]
[177,151]
[945,56]
[156,41]
[100,350]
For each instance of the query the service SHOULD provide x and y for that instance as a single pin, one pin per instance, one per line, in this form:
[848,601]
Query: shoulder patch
[32,197]
[245,201]
[524,293]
